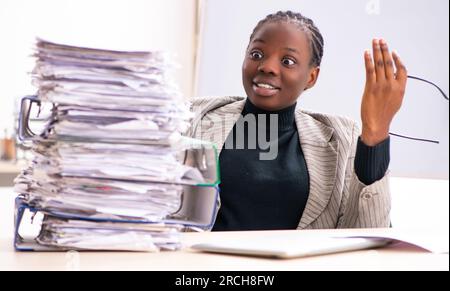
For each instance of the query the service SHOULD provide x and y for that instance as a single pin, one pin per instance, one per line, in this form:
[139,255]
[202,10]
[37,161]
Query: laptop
[286,249]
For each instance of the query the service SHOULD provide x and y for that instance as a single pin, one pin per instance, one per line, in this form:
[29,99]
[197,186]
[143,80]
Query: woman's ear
[313,76]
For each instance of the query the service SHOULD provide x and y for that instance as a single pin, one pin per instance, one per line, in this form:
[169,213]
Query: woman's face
[276,68]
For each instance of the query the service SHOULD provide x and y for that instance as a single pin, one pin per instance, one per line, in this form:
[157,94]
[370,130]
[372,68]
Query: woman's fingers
[402,74]
[378,59]
[370,69]
[388,63]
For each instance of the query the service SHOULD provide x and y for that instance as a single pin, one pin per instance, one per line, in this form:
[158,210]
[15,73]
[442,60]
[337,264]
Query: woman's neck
[286,116]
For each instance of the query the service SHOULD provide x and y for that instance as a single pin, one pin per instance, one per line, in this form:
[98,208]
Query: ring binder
[25,134]
[198,211]
[199,201]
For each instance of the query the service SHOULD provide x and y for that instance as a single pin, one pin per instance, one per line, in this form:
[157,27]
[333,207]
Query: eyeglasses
[415,138]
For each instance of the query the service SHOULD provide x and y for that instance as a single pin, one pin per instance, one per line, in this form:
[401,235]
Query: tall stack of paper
[107,172]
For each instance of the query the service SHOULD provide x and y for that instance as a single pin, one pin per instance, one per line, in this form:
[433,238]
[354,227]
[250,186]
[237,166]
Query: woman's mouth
[264,89]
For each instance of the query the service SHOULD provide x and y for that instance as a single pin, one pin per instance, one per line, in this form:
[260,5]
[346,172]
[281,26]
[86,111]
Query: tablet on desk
[277,248]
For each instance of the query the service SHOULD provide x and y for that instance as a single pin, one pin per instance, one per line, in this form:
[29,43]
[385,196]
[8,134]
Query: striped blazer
[337,199]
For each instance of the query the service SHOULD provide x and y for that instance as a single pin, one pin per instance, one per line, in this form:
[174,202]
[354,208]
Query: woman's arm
[369,205]
[363,206]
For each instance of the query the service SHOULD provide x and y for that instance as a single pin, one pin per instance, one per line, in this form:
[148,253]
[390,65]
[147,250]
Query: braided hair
[304,24]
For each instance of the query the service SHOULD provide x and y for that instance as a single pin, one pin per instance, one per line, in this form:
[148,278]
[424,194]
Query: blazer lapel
[220,124]
[321,157]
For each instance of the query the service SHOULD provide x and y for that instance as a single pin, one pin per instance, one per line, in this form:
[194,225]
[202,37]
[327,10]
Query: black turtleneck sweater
[271,194]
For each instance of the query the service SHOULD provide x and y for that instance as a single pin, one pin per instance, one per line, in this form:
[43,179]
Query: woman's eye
[288,62]
[256,55]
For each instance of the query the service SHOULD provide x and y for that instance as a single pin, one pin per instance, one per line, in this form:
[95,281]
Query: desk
[389,258]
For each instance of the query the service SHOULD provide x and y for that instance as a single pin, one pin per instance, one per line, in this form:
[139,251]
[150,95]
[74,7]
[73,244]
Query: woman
[300,169]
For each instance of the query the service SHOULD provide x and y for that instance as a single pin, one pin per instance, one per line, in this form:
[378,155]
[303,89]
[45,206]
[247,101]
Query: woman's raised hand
[386,78]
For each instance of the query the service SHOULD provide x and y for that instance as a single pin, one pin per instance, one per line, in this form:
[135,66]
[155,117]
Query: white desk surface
[389,258]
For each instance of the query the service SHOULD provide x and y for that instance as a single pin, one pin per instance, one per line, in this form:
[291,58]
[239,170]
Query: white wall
[420,204]
[418,29]
[113,24]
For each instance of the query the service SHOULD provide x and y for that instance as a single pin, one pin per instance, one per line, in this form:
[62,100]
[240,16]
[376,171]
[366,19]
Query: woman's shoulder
[342,125]
[345,127]
[329,119]
[209,103]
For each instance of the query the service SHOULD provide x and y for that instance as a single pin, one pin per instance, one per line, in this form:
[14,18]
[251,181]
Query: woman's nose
[269,66]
